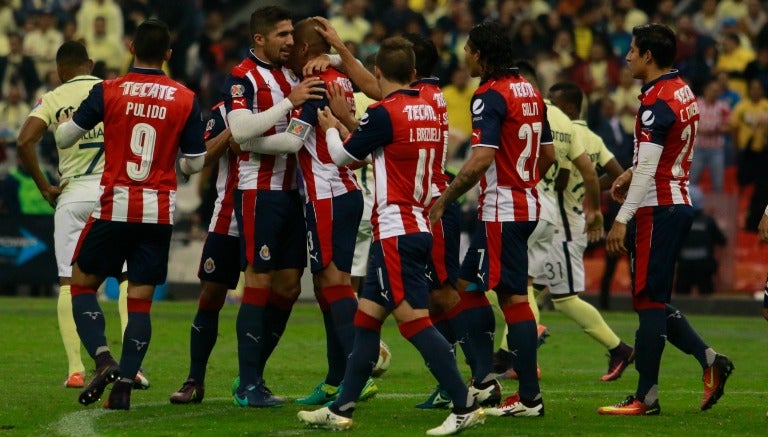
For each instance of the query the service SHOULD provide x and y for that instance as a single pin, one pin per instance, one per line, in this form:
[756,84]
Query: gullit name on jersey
[530,109]
[420,112]
[149,90]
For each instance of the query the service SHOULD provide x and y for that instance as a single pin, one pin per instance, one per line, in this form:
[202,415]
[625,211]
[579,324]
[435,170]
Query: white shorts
[364,232]
[539,245]
[564,266]
[73,208]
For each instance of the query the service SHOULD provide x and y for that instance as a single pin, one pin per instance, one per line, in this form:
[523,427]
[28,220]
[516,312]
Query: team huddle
[288,141]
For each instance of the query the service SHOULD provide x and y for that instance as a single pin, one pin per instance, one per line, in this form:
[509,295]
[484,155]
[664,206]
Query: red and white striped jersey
[404,135]
[147,118]
[322,178]
[256,85]
[429,90]
[223,219]
[669,118]
[509,115]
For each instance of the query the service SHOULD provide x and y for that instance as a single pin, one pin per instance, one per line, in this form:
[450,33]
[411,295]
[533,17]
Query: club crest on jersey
[264,253]
[209,266]
[209,126]
[38,103]
[293,76]
[237,91]
[647,118]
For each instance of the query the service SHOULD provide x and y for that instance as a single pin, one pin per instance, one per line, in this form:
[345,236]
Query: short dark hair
[659,40]
[264,19]
[495,48]
[72,54]
[425,52]
[152,40]
[528,71]
[570,93]
[396,60]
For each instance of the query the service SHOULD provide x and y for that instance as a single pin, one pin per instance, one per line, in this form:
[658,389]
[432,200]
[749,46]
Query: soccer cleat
[714,380]
[257,396]
[369,390]
[631,407]
[103,376]
[455,423]
[326,419]
[437,400]
[488,394]
[75,380]
[618,362]
[321,394]
[140,382]
[120,396]
[541,334]
[514,406]
[190,393]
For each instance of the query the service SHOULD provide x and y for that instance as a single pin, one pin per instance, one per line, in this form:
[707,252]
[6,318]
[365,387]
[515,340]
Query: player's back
[508,190]
[322,178]
[429,90]
[668,117]
[56,106]
[145,113]
[598,153]
[403,168]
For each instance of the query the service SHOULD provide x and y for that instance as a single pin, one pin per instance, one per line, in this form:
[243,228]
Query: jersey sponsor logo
[476,136]
[645,135]
[647,118]
[364,119]
[298,128]
[209,265]
[478,106]
[238,103]
[210,125]
[64,113]
[237,91]
[264,253]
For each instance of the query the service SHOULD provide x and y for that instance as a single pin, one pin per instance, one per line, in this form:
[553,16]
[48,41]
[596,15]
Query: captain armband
[299,128]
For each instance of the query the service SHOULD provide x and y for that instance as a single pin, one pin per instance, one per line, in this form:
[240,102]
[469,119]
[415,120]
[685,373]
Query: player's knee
[443,299]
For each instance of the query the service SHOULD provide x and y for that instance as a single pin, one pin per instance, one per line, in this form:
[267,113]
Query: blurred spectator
[13,112]
[625,97]
[7,25]
[185,20]
[447,60]
[729,95]
[20,193]
[396,17]
[619,38]
[607,125]
[755,19]
[563,47]
[109,11]
[749,123]
[50,82]
[458,95]
[104,47]
[534,8]
[733,59]
[42,42]
[434,11]
[758,69]
[18,68]
[599,74]
[697,261]
[585,30]
[705,19]
[527,38]
[634,16]
[699,68]
[351,25]
[460,34]
[687,37]
[664,13]
[735,9]
[714,116]
[69,31]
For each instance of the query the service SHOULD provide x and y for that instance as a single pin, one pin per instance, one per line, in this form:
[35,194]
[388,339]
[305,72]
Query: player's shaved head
[304,32]
[72,54]
[396,60]
[264,20]
[152,41]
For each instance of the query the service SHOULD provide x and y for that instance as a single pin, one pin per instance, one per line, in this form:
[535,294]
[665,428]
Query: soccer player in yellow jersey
[80,171]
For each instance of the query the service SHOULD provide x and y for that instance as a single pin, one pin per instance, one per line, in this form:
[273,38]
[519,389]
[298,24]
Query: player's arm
[375,131]
[337,100]
[191,143]
[88,115]
[612,171]
[357,73]
[31,131]
[594,225]
[245,125]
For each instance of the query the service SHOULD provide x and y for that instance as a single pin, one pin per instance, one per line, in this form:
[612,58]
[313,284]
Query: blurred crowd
[722,50]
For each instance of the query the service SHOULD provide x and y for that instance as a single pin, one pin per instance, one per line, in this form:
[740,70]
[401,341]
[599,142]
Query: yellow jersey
[594,146]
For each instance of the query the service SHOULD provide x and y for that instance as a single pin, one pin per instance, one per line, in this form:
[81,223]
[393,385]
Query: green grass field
[33,401]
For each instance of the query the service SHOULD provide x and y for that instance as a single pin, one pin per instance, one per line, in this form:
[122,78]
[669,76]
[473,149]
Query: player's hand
[316,65]
[436,211]
[51,193]
[614,242]
[762,228]
[338,102]
[309,89]
[343,131]
[329,33]
[594,226]
[621,186]
[326,120]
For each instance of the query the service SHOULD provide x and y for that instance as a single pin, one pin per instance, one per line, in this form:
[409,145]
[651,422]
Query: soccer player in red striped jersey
[510,132]
[403,135]
[654,195]
[220,264]
[147,119]
[260,94]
